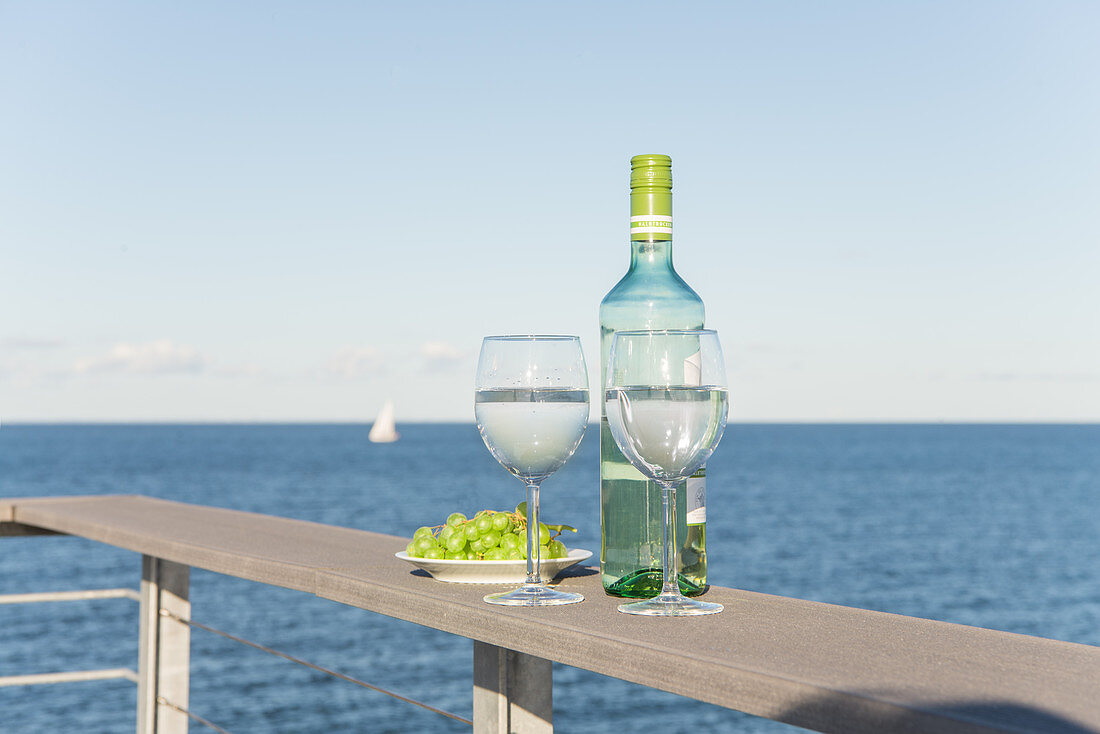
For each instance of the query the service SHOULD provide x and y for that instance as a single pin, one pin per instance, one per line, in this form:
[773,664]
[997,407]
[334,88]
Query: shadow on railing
[1007,716]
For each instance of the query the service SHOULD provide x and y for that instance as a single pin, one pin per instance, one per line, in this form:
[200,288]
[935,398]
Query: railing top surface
[819,666]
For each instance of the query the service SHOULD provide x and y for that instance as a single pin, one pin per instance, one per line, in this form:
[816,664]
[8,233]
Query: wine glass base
[670,605]
[533,595]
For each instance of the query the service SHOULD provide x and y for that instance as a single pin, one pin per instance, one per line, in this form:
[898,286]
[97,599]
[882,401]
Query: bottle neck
[651,228]
[650,255]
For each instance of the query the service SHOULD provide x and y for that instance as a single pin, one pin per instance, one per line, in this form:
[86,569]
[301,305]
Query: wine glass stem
[533,575]
[668,537]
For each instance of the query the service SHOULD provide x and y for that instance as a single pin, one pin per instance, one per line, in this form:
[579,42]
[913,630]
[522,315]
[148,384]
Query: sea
[996,526]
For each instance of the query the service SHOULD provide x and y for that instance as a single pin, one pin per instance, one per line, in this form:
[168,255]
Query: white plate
[493,572]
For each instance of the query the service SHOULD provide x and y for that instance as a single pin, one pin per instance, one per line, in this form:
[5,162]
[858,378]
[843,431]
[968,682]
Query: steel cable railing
[81,595]
[64,596]
[162,701]
[69,676]
[312,666]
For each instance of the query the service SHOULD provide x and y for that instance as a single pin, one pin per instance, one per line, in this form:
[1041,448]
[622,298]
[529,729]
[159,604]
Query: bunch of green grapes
[490,535]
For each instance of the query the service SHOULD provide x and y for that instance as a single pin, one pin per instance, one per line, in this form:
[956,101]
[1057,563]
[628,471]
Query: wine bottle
[650,296]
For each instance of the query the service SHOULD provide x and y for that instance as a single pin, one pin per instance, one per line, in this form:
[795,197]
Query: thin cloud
[439,356]
[234,371]
[1037,377]
[161,357]
[353,362]
[28,343]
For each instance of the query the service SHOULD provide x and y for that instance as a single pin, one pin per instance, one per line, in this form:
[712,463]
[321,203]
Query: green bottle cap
[651,197]
[651,170]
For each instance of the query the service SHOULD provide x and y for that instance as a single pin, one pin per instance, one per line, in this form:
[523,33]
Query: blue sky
[293,211]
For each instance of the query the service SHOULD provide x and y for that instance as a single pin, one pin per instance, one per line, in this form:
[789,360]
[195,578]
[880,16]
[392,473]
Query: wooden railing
[818,666]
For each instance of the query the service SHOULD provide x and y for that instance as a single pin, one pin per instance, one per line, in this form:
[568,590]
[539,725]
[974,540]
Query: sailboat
[384,430]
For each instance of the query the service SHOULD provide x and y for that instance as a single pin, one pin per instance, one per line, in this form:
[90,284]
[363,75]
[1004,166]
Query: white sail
[384,430]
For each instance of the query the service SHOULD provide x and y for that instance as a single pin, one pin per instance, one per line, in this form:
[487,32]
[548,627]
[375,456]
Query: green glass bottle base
[646,583]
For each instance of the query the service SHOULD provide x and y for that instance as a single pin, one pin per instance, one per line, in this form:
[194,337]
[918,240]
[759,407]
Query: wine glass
[666,407]
[531,404]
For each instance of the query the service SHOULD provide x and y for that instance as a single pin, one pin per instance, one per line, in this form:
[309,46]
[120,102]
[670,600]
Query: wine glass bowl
[531,405]
[669,431]
[666,405]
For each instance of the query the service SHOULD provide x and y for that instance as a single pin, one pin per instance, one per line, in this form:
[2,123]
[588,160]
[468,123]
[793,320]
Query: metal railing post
[513,692]
[165,647]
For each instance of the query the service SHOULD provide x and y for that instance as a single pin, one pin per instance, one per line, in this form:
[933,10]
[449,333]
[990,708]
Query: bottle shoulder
[657,300]
[640,284]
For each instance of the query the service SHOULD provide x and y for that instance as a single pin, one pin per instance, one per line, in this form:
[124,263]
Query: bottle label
[693,369]
[696,500]
[650,224]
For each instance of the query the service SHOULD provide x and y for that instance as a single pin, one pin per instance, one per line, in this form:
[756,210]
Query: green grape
[557,549]
[488,535]
[484,523]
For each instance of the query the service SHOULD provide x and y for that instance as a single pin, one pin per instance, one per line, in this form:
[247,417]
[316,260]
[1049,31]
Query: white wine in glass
[666,404]
[531,404]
